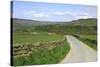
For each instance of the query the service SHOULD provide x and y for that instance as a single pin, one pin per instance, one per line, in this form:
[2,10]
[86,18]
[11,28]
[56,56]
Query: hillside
[82,22]
[28,22]
[85,22]
[81,26]
[75,26]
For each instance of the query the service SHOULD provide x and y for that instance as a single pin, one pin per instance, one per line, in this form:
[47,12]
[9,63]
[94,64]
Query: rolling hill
[75,26]
[82,22]
[85,22]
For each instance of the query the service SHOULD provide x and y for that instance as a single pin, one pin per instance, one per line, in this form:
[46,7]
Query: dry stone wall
[28,48]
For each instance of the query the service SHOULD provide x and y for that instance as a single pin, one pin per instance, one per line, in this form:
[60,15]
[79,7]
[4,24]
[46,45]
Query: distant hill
[85,22]
[26,23]
[81,26]
[78,26]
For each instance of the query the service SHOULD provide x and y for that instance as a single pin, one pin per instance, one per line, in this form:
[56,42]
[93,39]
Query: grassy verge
[44,56]
[90,40]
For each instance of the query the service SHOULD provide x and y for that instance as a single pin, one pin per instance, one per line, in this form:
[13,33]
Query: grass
[90,40]
[44,56]
[53,56]
[40,55]
[93,37]
[34,38]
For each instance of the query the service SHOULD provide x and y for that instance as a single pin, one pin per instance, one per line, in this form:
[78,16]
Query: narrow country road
[79,52]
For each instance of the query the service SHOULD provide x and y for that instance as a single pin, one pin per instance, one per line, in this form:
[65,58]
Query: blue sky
[52,11]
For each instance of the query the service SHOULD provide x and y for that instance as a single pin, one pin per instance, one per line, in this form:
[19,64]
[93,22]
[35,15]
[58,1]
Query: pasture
[44,43]
[53,49]
[35,38]
[90,40]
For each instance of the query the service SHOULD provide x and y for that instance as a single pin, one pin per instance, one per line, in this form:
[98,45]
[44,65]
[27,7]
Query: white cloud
[62,13]
[47,14]
[42,14]
[83,17]
[36,14]
[76,15]
[29,12]
[58,13]
[84,13]
[68,12]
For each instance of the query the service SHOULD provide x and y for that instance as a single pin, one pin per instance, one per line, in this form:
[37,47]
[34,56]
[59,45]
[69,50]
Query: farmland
[90,40]
[43,56]
[34,37]
[51,51]
[39,42]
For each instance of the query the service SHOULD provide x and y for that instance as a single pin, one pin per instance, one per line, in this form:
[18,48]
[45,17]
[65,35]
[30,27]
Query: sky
[52,11]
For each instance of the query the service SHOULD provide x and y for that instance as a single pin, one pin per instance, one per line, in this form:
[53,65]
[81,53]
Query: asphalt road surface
[79,52]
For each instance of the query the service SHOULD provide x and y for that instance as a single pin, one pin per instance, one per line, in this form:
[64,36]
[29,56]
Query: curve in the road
[79,52]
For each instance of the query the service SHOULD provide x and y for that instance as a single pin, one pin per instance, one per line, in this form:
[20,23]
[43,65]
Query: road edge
[67,55]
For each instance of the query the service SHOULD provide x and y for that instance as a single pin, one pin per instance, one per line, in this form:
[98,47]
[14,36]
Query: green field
[37,33]
[92,37]
[90,40]
[40,55]
[35,38]
[44,56]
